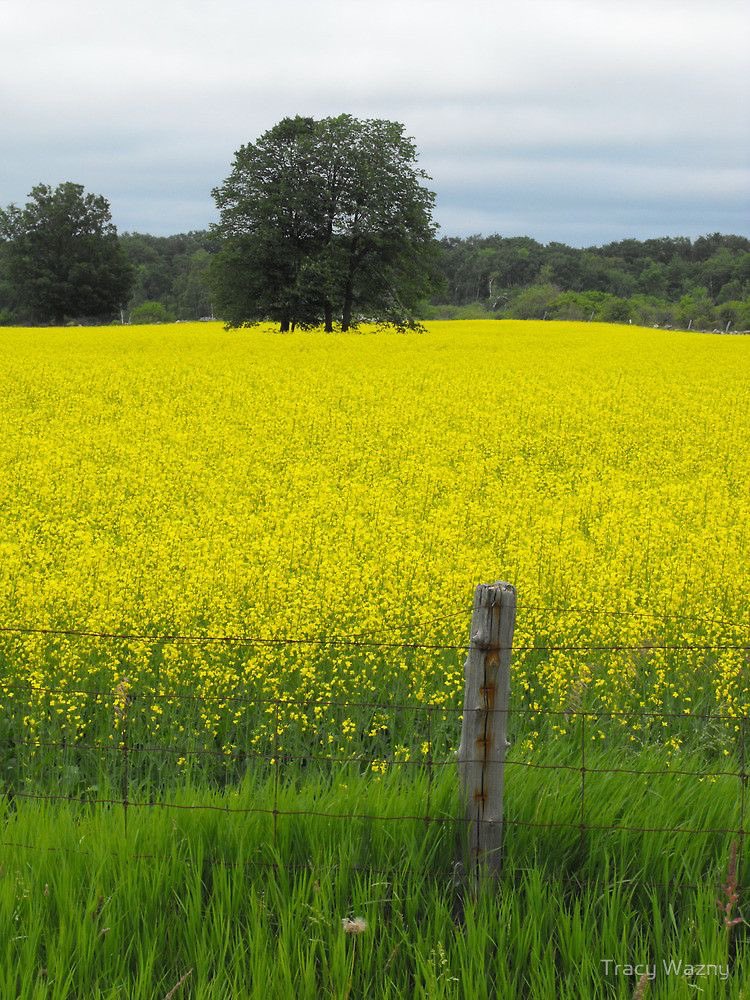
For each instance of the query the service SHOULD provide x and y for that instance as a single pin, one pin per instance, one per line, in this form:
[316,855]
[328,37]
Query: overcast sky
[573,120]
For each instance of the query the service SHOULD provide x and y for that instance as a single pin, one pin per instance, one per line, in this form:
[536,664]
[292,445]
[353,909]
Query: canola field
[195,482]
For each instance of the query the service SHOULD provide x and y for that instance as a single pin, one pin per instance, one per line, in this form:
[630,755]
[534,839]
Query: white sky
[574,120]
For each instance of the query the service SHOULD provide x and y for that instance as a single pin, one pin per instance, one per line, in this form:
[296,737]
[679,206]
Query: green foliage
[695,310]
[478,277]
[472,310]
[62,258]
[534,302]
[665,282]
[616,310]
[735,315]
[172,270]
[321,219]
[212,889]
[151,312]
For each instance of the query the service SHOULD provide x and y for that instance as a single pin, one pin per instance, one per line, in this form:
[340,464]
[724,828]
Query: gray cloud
[573,120]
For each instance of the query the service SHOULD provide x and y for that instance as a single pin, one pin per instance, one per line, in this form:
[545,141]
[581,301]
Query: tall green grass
[99,901]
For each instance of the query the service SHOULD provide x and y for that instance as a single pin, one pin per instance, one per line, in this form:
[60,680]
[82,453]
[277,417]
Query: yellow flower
[176,481]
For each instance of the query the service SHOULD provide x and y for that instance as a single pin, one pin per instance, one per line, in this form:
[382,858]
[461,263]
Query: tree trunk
[328,317]
[284,327]
[346,313]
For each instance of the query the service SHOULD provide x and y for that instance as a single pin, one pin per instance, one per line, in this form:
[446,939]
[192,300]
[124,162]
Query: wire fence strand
[126,702]
[356,643]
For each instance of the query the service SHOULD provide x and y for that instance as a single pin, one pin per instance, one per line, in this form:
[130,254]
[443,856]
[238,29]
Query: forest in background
[668,281]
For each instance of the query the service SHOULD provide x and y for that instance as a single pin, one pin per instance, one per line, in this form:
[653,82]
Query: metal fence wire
[581,822]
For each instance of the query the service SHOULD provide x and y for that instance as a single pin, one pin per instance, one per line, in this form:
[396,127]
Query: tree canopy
[666,281]
[171,270]
[61,256]
[324,219]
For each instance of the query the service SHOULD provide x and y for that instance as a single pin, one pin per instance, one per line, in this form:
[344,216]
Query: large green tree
[62,255]
[324,220]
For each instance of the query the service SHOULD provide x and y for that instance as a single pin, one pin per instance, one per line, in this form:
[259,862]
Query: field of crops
[272,536]
[195,481]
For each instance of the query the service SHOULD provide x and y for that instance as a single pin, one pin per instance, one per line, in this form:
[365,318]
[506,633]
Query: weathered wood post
[481,755]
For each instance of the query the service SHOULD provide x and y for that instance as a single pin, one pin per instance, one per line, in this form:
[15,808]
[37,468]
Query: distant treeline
[670,281]
[171,276]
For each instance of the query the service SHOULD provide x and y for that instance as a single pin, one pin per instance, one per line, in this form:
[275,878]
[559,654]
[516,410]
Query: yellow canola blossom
[186,480]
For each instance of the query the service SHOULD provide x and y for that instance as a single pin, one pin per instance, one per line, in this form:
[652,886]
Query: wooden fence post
[481,756]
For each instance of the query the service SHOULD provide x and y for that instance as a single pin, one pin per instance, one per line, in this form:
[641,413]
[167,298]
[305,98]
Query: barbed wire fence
[481,761]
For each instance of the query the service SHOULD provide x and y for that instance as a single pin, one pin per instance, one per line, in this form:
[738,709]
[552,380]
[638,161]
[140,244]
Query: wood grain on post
[481,756]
